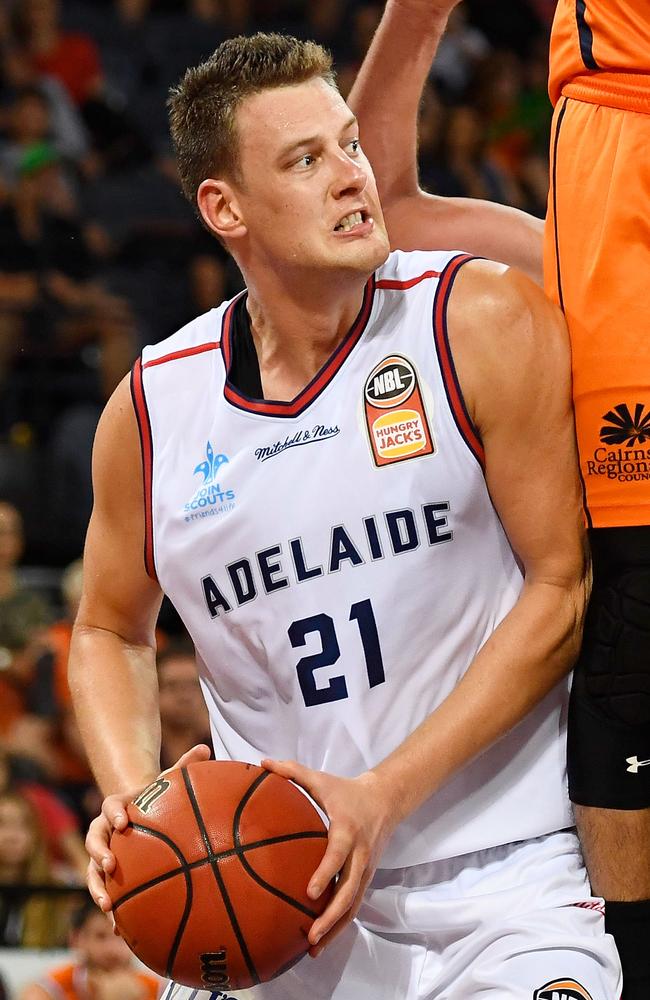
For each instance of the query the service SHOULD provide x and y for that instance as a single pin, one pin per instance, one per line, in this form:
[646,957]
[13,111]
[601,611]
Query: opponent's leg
[609,744]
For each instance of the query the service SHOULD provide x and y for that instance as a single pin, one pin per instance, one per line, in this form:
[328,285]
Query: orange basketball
[210,887]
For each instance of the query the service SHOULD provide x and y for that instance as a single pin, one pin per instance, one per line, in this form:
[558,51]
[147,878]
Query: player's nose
[349,177]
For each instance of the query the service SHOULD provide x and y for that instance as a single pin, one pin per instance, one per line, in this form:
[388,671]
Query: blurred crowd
[100,254]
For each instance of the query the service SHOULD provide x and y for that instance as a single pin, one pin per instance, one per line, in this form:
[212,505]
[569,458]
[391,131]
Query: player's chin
[363,254]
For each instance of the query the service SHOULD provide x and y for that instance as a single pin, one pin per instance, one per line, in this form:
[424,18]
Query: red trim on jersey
[278,408]
[390,283]
[447,367]
[146,447]
[199,349]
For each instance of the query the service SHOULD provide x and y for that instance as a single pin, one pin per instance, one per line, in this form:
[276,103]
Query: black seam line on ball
[188,894]
[243,802]
[221,856]
[251,871]
[183,868]
[214,864]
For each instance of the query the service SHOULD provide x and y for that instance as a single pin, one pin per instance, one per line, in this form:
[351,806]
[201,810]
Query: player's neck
[295,333]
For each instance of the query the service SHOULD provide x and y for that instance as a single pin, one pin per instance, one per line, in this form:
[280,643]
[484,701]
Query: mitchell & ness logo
[620,455]
[625,428]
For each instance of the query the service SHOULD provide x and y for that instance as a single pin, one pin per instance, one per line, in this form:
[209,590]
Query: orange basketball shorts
[597,268]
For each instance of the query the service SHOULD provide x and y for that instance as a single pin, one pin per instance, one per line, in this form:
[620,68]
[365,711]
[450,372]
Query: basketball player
[357,483]
[597,268]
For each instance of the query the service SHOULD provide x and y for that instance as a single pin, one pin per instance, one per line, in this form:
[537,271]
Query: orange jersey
[69,982]
[600,53]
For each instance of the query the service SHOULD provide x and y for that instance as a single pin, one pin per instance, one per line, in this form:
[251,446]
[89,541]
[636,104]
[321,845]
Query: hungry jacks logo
[396,431]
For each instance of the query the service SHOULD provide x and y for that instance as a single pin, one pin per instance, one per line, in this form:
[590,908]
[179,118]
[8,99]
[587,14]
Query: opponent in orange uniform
[597,267]
[597,264]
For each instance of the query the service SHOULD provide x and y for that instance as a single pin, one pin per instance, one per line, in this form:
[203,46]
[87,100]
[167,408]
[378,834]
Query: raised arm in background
[385,98]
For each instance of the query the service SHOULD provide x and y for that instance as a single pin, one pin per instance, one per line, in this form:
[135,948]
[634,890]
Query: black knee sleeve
[609,711]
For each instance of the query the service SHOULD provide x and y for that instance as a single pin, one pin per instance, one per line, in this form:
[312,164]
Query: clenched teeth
[346,224]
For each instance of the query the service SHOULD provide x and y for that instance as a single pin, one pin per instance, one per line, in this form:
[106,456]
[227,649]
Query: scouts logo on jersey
[210,499]
[396,418]
[562,989]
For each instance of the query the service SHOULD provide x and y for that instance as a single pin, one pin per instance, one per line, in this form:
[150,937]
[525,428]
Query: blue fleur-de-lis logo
[211,466]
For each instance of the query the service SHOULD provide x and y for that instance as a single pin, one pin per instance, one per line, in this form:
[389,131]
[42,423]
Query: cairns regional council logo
[624,452]
[396,418]
[562,989]
[211,499]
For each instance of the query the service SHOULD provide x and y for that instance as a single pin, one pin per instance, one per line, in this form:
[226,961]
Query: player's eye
[354,146]
[306,161]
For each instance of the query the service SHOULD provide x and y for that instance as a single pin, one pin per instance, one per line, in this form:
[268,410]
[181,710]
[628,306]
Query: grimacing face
[307,195]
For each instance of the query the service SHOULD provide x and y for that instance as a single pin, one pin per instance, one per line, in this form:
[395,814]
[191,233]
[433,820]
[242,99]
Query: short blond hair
[202,107]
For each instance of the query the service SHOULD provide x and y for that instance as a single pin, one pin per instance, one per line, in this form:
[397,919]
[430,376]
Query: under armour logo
[635,764]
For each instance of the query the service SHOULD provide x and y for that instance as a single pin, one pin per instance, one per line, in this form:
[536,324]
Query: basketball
[210,885]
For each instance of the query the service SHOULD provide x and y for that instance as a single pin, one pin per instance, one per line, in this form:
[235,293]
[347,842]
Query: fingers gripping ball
[210,885]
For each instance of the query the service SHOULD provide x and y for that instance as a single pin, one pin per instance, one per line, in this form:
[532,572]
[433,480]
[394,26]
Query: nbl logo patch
[562,989]
[396,418]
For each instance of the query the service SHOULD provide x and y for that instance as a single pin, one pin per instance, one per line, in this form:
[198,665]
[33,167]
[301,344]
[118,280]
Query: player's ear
[219,207]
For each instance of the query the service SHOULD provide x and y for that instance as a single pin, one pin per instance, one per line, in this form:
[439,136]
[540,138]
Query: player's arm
[385,98]
[512,358]
[112,669]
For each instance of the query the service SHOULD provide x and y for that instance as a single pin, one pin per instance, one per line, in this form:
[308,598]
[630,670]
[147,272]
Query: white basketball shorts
[515,922]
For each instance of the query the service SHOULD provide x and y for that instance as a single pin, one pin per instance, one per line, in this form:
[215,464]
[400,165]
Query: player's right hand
[113,817]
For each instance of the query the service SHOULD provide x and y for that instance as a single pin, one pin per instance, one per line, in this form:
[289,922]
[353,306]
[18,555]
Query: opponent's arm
[385,98]
[512,357]
[112,669]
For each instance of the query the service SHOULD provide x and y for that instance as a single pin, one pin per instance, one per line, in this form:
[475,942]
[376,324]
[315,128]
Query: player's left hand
[362,817]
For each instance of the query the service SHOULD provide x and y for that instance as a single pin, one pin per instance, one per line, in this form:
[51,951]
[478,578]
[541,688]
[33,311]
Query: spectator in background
[453,154]
[511,100]
[461,49]
[66,129]
[23,616]
[65,850]
[27,129]
[183,715]
[30,920]
[51,702]
[71,57]
[103,969]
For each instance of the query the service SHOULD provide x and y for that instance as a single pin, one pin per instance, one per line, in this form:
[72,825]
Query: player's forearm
[532,649]
[114,689]
[428,222]
[386,94]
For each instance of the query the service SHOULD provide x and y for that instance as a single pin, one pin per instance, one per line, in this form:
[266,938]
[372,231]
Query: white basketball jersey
[337,559]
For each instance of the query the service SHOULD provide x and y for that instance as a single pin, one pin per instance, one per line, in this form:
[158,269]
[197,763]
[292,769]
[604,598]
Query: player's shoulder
[501,304]
[202,331]
[404,269]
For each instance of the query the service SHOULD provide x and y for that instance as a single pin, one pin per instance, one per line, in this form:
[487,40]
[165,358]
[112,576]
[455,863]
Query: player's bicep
[119,596]
[519,373]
